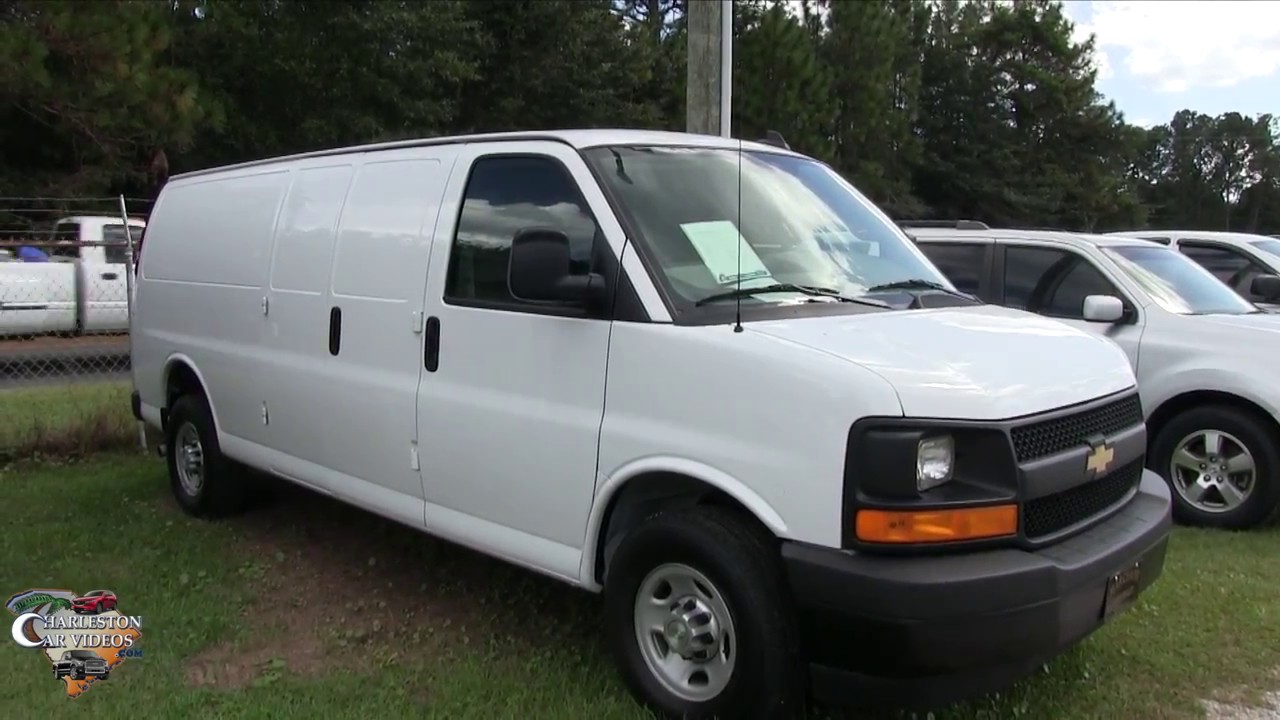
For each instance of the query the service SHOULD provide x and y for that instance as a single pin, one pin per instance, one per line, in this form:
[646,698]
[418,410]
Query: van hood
[976,363]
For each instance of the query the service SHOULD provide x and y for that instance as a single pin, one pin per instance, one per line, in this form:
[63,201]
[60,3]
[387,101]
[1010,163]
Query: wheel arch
[180,378]
[639,490]
[1178,404]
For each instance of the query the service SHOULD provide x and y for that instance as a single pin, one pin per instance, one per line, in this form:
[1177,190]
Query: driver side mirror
[1103,309]
[1266,287]
[539,271]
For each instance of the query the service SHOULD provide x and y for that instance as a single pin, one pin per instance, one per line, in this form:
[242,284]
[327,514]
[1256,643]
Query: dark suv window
[1051,282]
[116,248]
[505,195]
[961,263]
[1229,266]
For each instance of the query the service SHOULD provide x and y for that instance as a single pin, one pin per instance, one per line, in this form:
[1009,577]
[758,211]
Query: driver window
[1052,282]
[1232,268]
[504,195]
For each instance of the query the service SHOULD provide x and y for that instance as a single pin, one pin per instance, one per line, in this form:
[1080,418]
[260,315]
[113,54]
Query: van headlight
[935,460]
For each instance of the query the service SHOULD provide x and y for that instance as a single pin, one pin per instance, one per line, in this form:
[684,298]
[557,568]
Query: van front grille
[1047,437]
[1053,513]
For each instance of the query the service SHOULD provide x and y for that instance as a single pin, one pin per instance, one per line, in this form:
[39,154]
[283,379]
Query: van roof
[579,139]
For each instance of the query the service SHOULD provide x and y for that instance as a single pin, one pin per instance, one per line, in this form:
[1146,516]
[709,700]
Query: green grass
[72,418]
[327,611]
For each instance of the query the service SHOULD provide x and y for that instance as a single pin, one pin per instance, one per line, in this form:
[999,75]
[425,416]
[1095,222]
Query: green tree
[310,74]
[780,83]
[88,96]
[557,63]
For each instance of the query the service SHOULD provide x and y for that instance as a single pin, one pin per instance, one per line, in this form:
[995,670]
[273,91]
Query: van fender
[174,360]
[608,488]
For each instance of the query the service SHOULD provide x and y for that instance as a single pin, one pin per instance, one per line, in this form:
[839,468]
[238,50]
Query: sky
[1156,57]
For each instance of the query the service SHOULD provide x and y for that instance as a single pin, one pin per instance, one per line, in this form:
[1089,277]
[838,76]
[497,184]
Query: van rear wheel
[697,620]
[203,482]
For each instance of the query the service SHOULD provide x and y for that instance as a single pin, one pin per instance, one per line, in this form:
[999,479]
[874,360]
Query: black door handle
[431,345]
[109,276]
[335,330]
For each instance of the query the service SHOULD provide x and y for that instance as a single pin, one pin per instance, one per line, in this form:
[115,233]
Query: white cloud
[1081,32]
[1180,45]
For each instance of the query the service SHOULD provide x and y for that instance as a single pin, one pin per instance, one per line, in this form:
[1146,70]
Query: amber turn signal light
[933,526]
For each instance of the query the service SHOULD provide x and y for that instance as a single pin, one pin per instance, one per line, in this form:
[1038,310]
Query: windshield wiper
[789,287]
[918,284]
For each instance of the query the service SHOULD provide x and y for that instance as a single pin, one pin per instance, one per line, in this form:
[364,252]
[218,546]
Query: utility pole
[709,83]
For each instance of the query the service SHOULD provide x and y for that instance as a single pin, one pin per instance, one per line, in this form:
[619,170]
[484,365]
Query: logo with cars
[83,636]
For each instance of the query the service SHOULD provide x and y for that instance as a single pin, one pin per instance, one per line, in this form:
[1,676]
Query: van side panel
[365,419]
[297,335]
[221,230]
[200,293]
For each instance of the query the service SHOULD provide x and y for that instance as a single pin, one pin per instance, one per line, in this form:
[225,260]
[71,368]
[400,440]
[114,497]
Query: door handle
[109,276]
[431,344]
[335,330]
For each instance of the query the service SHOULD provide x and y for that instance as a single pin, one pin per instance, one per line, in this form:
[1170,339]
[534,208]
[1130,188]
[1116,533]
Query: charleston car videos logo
[84,637]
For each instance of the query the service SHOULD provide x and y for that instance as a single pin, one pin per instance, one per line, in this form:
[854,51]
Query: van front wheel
[204,483]
[697,620]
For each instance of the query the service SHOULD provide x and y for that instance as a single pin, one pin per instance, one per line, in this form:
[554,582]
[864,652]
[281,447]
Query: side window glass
[1051,282]
[962,264]
[1082,279]
[1232,268]
[505,195]
[1024,269]
[116,248]
[66,239]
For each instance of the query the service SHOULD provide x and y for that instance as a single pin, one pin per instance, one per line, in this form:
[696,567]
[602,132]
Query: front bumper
[926,631]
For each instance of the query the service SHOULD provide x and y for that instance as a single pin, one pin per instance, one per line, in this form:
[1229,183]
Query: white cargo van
[706,378]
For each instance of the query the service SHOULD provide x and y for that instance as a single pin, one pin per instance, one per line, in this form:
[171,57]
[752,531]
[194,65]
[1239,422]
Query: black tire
[1261,440]
[223,491]
[743,563]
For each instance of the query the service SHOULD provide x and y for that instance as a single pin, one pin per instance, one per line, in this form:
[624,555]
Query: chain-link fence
[66,277]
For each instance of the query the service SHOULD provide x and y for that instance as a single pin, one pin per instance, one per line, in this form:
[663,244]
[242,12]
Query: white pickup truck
[81,288]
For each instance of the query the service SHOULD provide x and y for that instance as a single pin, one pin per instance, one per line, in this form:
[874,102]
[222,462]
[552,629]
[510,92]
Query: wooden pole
[707,60]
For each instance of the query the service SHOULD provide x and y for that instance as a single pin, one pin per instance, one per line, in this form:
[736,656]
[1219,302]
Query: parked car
[1201,352]
[1248,263]
[82,287]
[96,602]
[781,444]
[81,664]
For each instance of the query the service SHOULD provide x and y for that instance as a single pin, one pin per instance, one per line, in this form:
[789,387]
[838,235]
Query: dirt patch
[337,588]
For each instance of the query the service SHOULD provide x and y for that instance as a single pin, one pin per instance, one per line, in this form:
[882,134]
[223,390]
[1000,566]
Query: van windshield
[787,220]
[1176,282]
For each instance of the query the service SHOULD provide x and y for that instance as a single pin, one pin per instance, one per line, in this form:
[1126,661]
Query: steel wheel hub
[190,459]
[685,632]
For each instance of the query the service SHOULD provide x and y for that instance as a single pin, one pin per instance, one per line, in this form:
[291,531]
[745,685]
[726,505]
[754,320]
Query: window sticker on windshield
[718,242]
